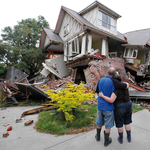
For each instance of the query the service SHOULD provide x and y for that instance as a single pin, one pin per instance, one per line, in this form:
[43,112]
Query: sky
[134,13]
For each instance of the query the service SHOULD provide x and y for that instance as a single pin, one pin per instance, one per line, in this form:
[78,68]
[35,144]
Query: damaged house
[88,43]
[82,47]
[82,37]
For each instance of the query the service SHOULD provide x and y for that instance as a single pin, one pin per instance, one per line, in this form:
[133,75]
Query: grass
[52,122]
[84,121]
[136,108]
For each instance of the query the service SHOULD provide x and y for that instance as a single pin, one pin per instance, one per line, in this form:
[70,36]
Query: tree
[3,70]
[20,45]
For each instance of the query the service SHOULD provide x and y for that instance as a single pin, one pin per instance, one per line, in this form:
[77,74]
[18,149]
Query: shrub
[70,98]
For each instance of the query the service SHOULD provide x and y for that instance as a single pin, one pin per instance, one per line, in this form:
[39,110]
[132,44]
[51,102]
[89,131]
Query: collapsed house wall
[56,67]
[98,69]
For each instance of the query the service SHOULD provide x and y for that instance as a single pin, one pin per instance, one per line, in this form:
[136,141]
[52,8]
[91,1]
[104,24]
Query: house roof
[85,23]
[138,37]
[52,36]
[54,41]
[100,5]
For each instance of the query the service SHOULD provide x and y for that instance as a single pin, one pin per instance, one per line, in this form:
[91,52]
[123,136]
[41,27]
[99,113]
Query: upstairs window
[106,21]
[66,29]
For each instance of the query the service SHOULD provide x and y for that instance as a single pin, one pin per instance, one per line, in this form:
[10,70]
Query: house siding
[75,28]
[92,16]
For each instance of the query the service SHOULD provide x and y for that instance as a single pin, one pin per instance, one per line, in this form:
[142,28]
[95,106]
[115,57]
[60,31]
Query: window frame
[109,25]
[130,49]
[66,29]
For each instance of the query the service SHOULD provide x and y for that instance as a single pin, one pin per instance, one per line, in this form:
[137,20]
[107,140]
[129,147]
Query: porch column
[104,51]
[89,43]
[70,51]
[83,48]
[65,52]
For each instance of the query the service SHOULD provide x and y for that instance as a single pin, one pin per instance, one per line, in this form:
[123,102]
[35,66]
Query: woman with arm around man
[123,110]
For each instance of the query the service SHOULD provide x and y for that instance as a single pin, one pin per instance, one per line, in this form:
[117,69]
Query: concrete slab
[26,137]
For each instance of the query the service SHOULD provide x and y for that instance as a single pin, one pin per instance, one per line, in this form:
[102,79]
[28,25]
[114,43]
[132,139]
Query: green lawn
[53,122]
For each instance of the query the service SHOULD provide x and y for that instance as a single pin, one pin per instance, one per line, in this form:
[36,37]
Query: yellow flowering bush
[68,99]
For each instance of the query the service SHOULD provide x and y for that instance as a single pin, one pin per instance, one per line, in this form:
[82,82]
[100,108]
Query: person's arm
[119,85]
[110,99]
[126,84]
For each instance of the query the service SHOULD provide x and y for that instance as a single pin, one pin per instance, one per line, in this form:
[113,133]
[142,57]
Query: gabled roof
[52,36]
[101,6]
[84,23]
[138,37]
[51,40]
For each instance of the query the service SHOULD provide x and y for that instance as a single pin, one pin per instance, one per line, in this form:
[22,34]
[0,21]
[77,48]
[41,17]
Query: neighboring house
[94,30]
[137,53]
[138,44]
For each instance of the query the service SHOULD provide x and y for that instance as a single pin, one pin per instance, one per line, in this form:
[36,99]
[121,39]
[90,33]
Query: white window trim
[66,29]
[130,50]
[113,27]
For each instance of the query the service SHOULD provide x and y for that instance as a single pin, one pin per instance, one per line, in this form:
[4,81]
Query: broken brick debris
[6,124]
[18,120]
[28,123]
[9,128]
[98,69]
[5,134]
[52,114]
[61,83]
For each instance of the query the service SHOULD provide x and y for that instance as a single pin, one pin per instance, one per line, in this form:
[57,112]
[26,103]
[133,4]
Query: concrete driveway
[27,138]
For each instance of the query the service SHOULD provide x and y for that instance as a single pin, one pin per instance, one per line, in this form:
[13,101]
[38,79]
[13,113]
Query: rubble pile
[98,69]
[60,83]
[145,104]
[88,68]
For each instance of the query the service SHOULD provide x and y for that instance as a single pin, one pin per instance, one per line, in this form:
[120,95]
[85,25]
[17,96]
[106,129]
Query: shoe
[97,136]
[129,136]
[108,139]
[120,138]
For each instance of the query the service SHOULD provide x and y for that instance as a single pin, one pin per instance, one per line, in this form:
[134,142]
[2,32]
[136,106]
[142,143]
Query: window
[130,53]
[106,21]
[66,29]
[74,46]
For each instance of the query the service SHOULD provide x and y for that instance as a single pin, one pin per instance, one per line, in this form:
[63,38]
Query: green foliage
[136,108]
[51,122]
[3,70]
[20,45]
[70,98]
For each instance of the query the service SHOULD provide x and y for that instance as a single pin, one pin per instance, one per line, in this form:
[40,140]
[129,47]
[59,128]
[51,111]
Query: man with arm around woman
[122,111]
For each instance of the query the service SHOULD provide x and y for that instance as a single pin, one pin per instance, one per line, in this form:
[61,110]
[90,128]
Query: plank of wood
[36,110]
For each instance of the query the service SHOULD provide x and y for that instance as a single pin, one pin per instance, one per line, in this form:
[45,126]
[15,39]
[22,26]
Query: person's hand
[101,94]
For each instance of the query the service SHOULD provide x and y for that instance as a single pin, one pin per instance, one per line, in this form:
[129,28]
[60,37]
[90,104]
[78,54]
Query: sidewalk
[27,138]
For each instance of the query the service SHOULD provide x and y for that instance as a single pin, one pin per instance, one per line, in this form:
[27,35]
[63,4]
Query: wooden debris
[37,110]
[28,123]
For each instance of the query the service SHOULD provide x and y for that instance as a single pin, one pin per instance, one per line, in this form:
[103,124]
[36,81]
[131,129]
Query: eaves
[105,33]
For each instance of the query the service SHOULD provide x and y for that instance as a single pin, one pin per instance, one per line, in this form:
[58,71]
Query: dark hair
[117,77]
